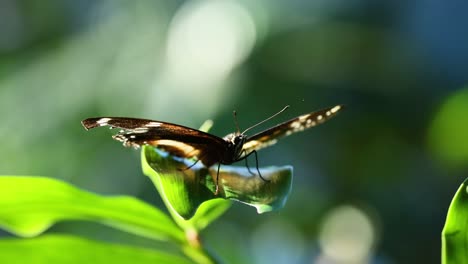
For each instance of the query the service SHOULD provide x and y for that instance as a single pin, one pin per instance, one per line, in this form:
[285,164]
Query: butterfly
[189,143]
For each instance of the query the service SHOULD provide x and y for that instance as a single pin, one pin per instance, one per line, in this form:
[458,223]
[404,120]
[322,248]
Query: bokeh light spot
[346,236]
[207,39]
[277,241]
[448,133]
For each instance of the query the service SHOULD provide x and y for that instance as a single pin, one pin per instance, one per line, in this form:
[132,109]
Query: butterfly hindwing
[175,139]
[270,136]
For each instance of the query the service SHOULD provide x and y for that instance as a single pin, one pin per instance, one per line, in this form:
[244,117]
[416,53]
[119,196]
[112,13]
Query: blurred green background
[371,186]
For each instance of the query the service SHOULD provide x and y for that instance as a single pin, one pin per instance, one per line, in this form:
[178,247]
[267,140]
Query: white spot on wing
[304,117]
[336,109]
[103,121]
[153,124]
[295,124]
[140,130]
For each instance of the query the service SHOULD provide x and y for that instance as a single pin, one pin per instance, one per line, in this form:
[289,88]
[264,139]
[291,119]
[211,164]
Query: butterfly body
[187,142]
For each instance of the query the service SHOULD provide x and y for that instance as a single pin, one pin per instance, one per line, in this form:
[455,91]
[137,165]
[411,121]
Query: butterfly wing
[175,139]
[270,136]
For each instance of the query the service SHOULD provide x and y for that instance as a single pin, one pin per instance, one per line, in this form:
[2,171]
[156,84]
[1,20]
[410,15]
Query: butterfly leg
[186,168]
[247,164]
[256,161]
[217,180]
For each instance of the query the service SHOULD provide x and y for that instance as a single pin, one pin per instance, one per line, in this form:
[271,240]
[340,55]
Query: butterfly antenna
[259,123]
[234,114]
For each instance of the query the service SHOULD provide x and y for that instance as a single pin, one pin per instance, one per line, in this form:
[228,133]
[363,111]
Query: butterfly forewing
[188,142]
[270,136]
[175,139]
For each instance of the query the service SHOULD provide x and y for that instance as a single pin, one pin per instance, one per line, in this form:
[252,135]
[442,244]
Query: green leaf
[237,183]
[70,249]
[207,212]
[186,190]
[30,205]
[455,232]
[180,189]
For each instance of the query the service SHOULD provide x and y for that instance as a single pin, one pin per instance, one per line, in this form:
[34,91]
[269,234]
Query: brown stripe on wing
[176,139]
[177,148]
[270,136]
[209,152]
[174,147]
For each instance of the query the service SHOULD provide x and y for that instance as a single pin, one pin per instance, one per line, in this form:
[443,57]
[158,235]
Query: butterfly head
[235,143]
[235,139]
[239,139]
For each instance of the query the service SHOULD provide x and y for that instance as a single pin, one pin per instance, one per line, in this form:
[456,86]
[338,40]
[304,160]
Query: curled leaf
[237,183]
[185,190]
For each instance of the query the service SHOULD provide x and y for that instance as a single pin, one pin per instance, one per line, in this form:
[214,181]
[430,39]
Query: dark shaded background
[371,186]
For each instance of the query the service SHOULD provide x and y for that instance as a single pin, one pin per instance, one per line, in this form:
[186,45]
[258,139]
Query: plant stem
[195,250]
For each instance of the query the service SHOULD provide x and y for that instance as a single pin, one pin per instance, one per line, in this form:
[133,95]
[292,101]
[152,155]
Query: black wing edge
[90,123]
[120,122]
